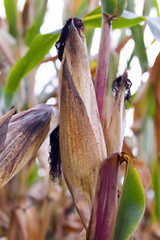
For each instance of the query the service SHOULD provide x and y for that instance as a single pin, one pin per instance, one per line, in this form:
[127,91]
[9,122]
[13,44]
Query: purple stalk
[107,198]
[102,64]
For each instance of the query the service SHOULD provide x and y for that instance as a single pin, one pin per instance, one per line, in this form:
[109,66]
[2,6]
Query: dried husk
[114,135]
[21,136]
[82,144]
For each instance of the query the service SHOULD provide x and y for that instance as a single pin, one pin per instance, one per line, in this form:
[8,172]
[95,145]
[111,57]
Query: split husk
[21,136]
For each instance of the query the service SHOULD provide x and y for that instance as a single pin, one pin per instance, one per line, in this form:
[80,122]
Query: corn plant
[86,136]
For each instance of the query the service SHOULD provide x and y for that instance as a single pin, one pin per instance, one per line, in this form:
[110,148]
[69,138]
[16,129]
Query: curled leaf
[113,8]
[23,135]
[82,145]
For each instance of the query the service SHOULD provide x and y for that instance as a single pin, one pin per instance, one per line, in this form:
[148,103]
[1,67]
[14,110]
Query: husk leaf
[82,145]
[23,135]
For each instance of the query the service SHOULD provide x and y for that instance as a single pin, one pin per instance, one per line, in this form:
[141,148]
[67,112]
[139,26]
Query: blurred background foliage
[31,206]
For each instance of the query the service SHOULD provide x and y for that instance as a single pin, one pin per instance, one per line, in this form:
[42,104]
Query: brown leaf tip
[60,44]
[122,81]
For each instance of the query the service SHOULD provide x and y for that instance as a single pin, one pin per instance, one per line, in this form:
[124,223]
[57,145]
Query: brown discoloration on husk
[26,132]
[82,144]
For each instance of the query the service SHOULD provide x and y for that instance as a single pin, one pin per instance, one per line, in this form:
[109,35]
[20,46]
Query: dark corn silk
[117,83]
[54,155]
[60,44]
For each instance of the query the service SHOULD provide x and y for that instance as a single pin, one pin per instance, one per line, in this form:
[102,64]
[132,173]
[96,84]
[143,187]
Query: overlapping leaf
[38,49]
[127,19]
[110,221]
[113,8]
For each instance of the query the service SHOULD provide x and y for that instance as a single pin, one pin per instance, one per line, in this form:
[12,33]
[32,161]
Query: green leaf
[140,50]
[89,37]
[152,103]
[113,8]
[11,13]
[121,6]
[156,188]
[35,28]
[109,7]
[155,4]
[32,176]
[131,204]
[147,7]
[130,5]
[94,18]
[38,49]
[154,25]
[128,19]
[82,9]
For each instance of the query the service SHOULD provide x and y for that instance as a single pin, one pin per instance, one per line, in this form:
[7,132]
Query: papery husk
[22,136]
[114,135]
[82,145]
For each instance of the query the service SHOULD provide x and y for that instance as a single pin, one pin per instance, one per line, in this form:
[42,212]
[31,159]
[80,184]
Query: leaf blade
[131,204]
[11,12]
[154,25]
[128,19]
[35,28]
[30,60]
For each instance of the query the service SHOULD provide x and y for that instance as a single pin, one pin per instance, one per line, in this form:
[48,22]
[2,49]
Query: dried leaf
[82,145]
[32,223]
[25,134]
[114,135]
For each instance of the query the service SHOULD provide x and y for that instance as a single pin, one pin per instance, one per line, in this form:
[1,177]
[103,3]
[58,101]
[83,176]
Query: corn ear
[82,144]
[23,134]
